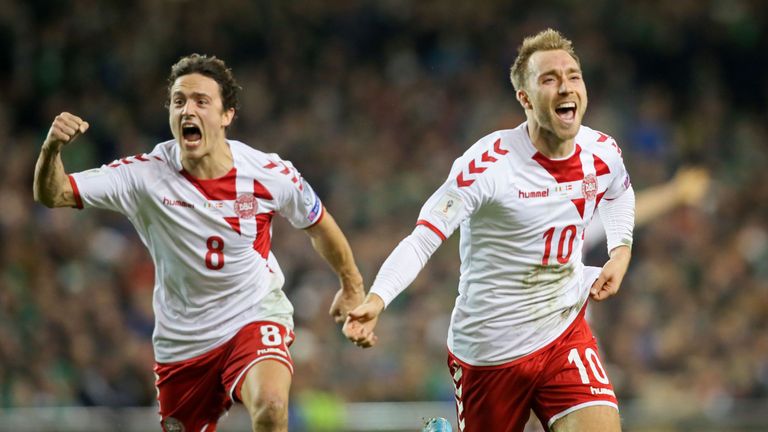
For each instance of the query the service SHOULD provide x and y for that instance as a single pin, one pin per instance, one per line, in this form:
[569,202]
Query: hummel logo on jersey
[533,194]
[176,203]
[601,391]
[272,351]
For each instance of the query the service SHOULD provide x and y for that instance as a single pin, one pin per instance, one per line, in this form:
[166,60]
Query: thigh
[575,380]
[266,385]
[491,399]
[599,418]
[190,394]
[258,342]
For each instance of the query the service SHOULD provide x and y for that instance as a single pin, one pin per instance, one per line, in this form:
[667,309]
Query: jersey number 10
[567,235]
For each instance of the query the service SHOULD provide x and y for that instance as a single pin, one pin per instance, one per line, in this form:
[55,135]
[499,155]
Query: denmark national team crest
[589,187]
[170,424]
[245,206]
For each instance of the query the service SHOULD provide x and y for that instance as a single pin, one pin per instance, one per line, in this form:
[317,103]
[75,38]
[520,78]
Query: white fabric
[595,233]
[522,219]
[404,263]
[200,302]
[618,216]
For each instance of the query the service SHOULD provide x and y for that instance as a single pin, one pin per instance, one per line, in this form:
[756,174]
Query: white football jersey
[209,239]
[522,219]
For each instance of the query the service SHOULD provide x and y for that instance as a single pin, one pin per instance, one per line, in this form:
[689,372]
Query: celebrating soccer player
[522,198]
[203,205]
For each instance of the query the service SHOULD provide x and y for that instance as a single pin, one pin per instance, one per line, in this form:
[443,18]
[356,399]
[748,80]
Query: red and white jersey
[209,239]
[522,218]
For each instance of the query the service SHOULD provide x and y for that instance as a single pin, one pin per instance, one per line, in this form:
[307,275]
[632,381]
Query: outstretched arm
[51,186]
[687,187]
[398,271]
[330,243]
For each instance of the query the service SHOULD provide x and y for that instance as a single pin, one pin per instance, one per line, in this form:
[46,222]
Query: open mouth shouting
[566,112]
[191,134]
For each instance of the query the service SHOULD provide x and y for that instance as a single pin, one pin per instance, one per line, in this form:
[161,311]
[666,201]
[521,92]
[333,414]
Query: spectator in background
[687,187]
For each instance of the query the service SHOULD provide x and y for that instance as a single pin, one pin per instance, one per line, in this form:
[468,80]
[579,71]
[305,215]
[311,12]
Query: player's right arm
[398,271]
[455,201]
[51,185]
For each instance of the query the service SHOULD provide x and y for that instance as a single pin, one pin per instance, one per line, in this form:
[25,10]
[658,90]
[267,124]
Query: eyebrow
[194,95]
[570,70]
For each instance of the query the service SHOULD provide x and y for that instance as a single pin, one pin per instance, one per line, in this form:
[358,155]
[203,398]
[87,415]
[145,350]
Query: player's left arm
[617,212]
[612,274]
[329,241]
[618,218]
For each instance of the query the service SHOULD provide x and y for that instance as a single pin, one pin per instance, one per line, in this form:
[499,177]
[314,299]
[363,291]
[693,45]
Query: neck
[213,164]
[546,142]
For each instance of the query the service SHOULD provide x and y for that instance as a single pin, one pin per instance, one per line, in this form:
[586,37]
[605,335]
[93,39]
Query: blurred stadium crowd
[372,101]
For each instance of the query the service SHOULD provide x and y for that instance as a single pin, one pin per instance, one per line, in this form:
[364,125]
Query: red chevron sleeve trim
[433,228]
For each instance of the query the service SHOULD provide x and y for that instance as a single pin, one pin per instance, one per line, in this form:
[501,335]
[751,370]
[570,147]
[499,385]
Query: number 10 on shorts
[594,364]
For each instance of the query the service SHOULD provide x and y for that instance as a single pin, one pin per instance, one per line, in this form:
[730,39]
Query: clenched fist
[66,128]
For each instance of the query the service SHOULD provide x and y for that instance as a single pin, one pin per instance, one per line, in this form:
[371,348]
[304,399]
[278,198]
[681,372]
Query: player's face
[556,92]
[197,116]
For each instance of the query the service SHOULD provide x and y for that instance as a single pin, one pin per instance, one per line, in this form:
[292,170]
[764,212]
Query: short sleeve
[111,187]
[620,181]
[297,201]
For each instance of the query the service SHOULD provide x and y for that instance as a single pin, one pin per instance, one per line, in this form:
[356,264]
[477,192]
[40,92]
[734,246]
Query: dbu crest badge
[589,187]
[246,206]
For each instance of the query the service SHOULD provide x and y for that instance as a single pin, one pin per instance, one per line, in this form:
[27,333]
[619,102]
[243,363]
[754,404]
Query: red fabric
[566,170]
[222,189]
[500,398]
[432,228]
[263,241]
[76,192]
[196,392]
[473,168]
[601,167]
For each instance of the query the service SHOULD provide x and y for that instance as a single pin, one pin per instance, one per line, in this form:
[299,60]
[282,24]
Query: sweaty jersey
[522,218]
[209,239]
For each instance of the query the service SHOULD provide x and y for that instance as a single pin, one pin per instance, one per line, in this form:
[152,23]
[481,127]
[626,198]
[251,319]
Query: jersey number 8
[214,258]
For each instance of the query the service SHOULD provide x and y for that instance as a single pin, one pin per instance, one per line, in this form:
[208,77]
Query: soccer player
[522,198]
[203,205]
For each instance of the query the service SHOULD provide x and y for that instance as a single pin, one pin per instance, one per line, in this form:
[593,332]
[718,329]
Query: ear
[227,117]
[522,97]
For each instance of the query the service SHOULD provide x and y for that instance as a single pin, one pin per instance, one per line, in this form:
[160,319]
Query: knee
[269,412]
